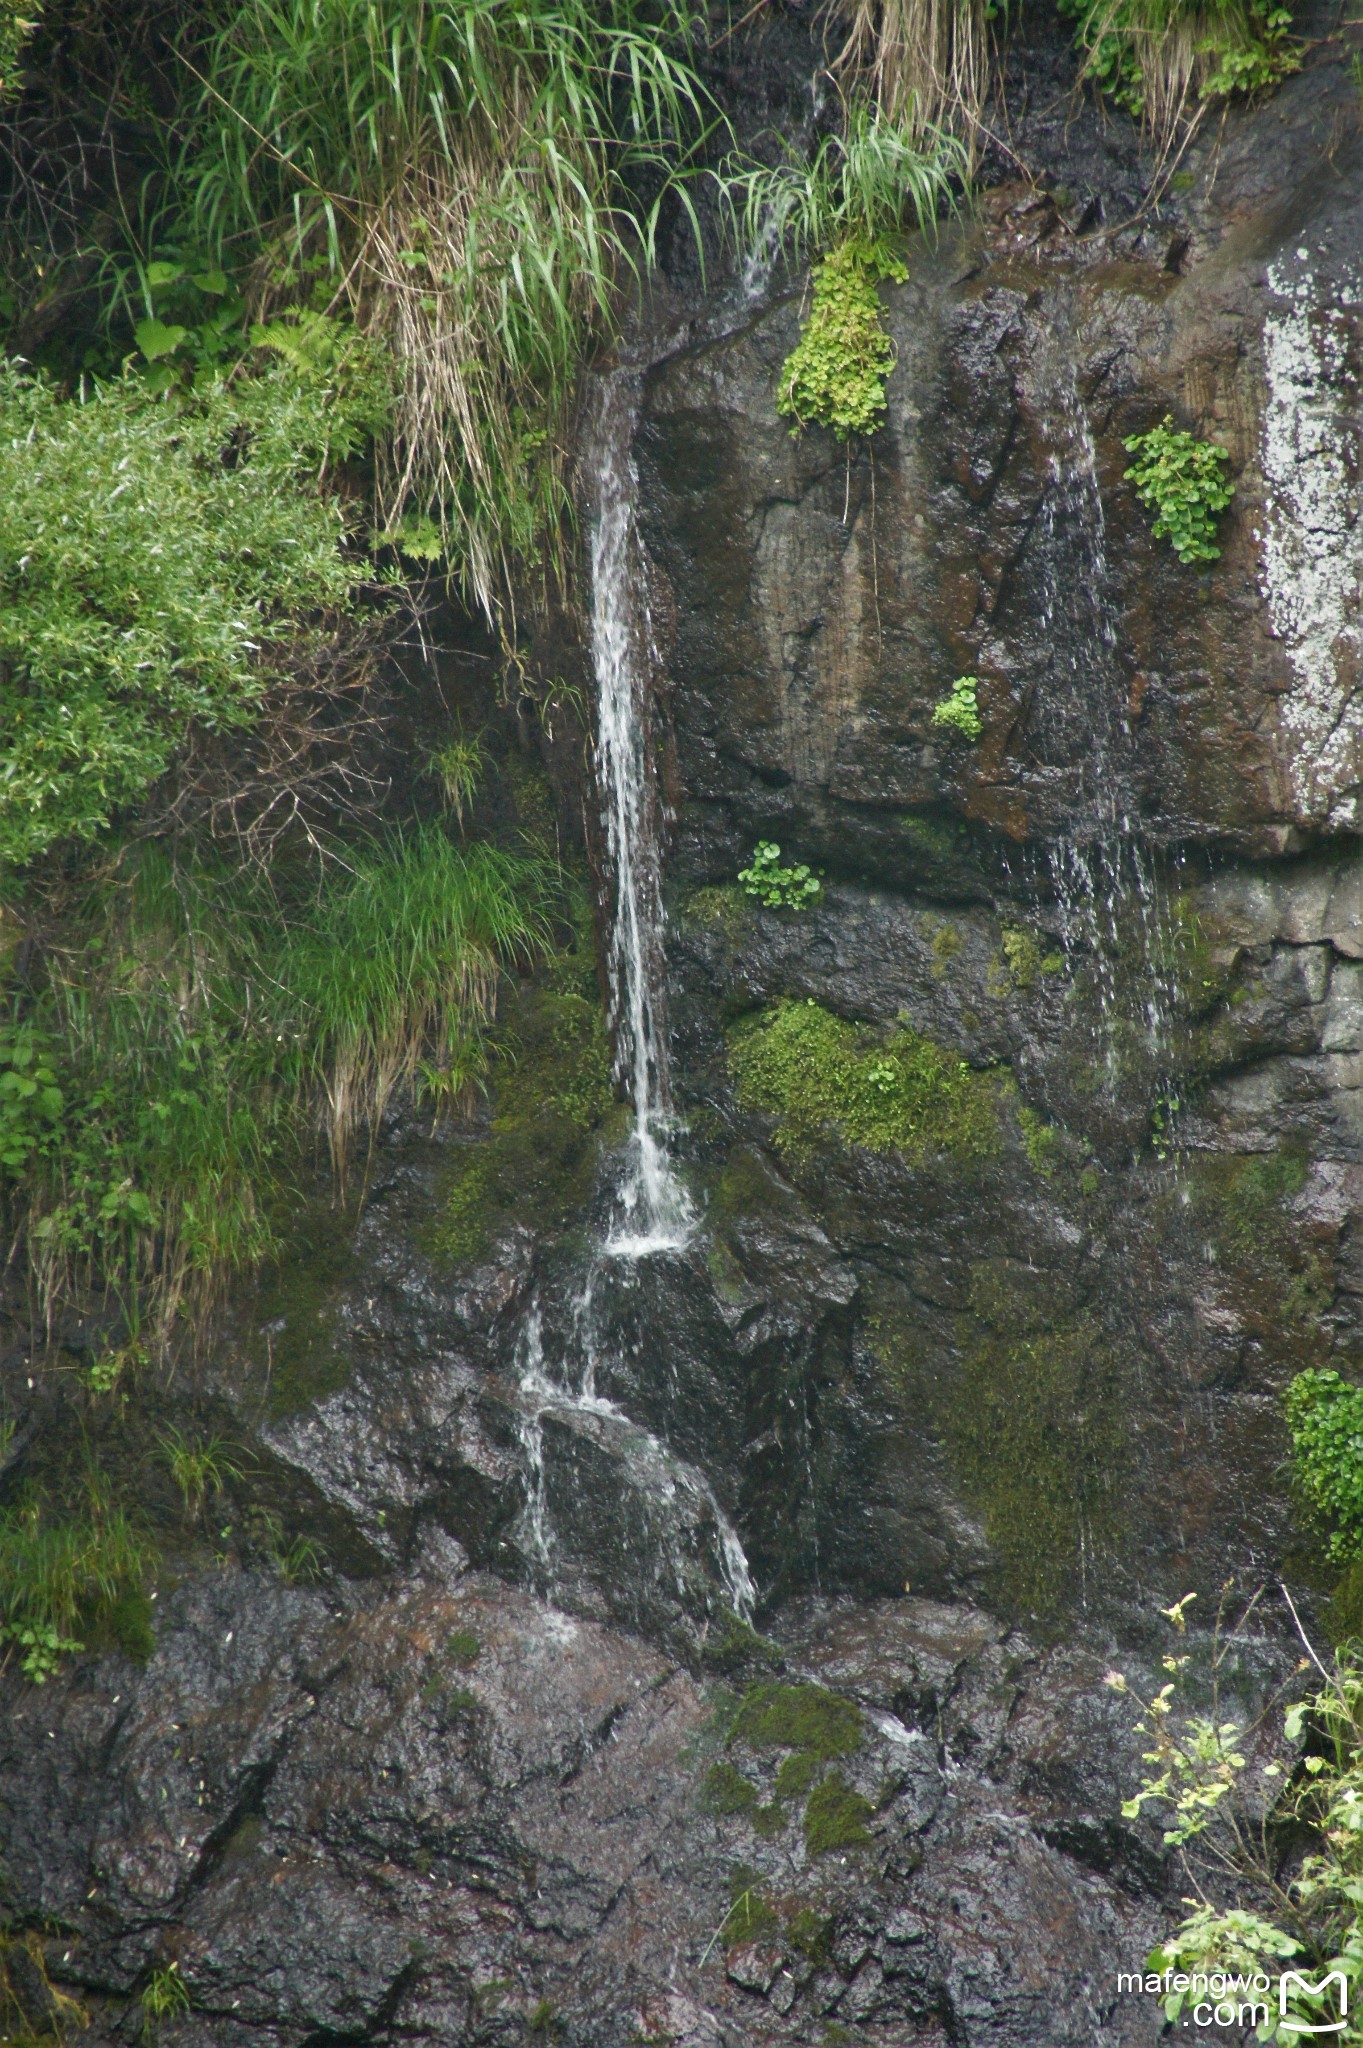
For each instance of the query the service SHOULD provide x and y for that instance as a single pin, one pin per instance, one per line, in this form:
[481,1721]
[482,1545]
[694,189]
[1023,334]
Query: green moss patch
[776,1715]
[821,1077]
[1036,1425]
[552,1110]
[836,1817]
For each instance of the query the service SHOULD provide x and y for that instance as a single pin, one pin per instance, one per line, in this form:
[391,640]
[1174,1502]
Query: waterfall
[677,1529]
[1106,885]
[654,1212]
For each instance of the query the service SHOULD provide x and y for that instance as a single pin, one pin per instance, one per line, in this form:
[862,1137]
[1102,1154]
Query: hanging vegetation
[455,178]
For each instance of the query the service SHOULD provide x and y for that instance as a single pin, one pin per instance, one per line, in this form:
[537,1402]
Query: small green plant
[1325,1416]
[777,887]
[1181,480]
[165,1996]
[458,767]
[959,710]
[198,1468]
[835,375]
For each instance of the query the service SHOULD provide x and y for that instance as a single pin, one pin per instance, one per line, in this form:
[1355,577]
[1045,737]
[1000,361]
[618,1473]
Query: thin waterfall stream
[1106,885]
[675,1513]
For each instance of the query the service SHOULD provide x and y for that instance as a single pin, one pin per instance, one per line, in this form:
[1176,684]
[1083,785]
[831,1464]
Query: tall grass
[397,972]
[57,1572]
[924,62]
[199,1024]
[458,174]
[862,184]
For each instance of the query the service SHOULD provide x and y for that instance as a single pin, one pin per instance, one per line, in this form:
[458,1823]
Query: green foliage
[821,1077]
[18,19]
[156,556]
[835,375]
[198,1469]
[58,1574]
[463,1648]
[1158,58]
[1232,1800]
[165,1995]
[1181,480]
[460,178]
[835,1817]
[203,1020]
[1325,1416]
[850,199]
[777,887]
[959,711]
[857,188]
[458,768]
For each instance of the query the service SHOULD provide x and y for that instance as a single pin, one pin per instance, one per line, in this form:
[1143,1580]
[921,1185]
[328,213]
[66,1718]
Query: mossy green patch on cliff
[815,1728]
[836,1817]
[295,1314]
[820,1077]
[807,1718]
[552,1111]
[1035,1424]
[835,375]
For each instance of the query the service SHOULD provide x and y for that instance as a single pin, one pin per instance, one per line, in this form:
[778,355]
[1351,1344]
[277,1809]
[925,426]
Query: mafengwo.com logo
[1291,2007]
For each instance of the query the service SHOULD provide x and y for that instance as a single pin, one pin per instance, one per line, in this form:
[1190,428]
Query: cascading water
[656,1215]
[674,1518]
[1106,886]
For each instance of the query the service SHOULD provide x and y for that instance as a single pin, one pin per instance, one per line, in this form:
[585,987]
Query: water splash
[675,1514]
[654,1211]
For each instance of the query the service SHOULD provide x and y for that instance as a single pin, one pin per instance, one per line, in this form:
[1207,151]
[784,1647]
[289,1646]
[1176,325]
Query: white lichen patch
[1311,570]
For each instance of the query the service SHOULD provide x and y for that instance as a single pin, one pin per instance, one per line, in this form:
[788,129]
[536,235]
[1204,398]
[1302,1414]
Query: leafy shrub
[835,375]
[821,1077]
[1232,1796]
[959,711]
[777,887]
[154,554]
[1180,479]
[1325,1416]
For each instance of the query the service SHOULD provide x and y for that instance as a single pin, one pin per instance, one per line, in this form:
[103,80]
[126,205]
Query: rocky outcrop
[977,1403]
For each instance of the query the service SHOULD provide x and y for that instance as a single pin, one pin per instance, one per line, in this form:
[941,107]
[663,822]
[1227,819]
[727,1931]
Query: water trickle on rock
[675,1519]
[1106,883]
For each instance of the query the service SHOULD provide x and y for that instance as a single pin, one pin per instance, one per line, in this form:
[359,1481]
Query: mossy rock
[836,1817]
[820,1077]
[295,1313]
[780,1715]
[1036,1423]
[553,1111]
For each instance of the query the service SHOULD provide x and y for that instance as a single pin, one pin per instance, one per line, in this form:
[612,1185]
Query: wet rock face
[825,603]
[453,1815]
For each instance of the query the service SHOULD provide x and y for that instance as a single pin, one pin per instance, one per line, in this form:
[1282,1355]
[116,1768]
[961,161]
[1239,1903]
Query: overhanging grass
[458,177]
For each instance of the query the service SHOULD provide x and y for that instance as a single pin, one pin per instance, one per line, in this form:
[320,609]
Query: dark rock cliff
[977,1406]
